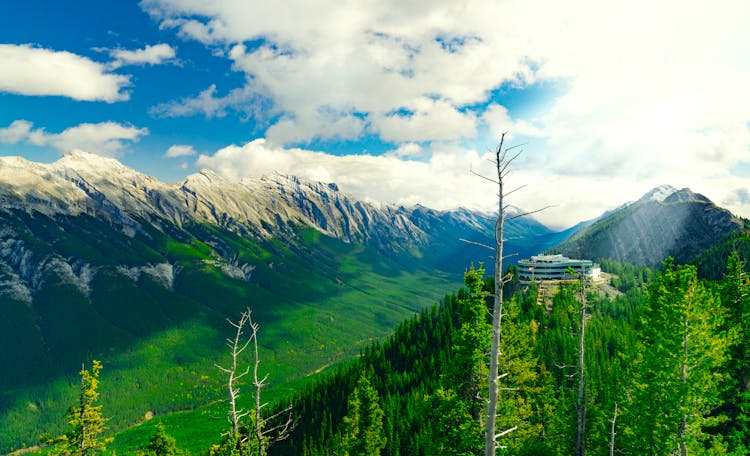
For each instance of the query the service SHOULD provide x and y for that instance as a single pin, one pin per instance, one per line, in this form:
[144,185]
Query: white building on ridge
[555,267]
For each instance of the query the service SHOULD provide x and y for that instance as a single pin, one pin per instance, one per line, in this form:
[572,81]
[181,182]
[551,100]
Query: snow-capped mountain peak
[659,194]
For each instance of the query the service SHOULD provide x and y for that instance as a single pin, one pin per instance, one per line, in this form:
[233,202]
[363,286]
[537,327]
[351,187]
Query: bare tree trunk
[236,347]
[258,382]
[490,441]
[581,403]
[612,433]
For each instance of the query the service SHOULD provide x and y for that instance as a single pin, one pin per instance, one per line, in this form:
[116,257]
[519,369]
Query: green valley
[318,300]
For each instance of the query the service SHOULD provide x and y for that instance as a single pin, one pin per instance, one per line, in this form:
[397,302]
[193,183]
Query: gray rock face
[89,184]
[664,222]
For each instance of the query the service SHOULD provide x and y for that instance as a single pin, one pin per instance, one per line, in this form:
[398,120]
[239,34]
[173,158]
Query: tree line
[662,368]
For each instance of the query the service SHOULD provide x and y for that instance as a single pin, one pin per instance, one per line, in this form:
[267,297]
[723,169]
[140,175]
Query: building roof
[552,259]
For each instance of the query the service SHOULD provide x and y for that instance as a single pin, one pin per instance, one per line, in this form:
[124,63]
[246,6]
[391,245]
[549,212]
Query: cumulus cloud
[105,138]
[497,120]
[150,55]
[649,93]
[442,181]
[368,61]
[177,150]
[431,121]
[15,132]
[29,70]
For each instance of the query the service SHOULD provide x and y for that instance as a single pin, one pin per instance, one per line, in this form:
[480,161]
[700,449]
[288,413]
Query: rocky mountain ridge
[83,183]
[664,222]
[82,189]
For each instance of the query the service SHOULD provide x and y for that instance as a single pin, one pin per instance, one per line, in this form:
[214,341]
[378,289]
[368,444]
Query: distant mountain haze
[664,222]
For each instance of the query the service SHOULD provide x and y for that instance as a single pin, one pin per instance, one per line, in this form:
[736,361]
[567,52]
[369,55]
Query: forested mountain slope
[664,222]
[427,378]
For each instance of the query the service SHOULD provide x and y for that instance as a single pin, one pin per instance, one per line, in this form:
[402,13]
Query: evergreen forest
[662,368]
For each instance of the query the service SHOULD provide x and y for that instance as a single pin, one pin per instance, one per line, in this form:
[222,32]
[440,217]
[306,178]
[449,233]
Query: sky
[398,102]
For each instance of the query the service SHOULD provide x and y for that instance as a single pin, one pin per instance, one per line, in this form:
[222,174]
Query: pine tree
[467,373]
[452,430]
[526,390]
[86,417]
[678,373]
[735,294]
[162,444]
[363,425]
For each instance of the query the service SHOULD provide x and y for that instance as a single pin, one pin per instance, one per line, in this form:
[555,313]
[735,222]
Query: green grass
[317,303]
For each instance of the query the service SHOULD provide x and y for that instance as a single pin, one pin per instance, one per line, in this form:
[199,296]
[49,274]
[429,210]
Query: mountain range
[98,260]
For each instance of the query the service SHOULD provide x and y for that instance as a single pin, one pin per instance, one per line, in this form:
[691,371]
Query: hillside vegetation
[665,369]
[159,342]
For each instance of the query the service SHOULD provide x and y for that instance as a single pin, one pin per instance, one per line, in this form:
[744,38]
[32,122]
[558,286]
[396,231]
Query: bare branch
[515,189]
[481,176]
[531,212]
[477,244]
[516,146]
[506,163]
[505,432]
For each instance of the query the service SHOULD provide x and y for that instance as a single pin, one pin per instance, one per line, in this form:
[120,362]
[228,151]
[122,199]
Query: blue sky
[393,101]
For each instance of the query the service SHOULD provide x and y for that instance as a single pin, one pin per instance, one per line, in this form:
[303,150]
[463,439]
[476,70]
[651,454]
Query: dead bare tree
[236,347]
[501,162]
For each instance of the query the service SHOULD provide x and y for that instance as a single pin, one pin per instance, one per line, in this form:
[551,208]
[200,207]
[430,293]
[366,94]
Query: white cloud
[244,100]
[322,123]
[649,93]
[431,121]
[359,64]
[105,138]
[409,150]
[15,132]
[150,55]
[29,70]
[497,120]
[442,181]
[180,151]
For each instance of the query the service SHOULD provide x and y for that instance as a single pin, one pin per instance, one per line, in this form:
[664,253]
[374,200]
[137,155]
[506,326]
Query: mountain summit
[664,222]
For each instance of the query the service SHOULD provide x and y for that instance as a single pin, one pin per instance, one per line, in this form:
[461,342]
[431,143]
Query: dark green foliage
[162,444]
[712,263]
[450,428]
[468,371]
[735,295]
[627,276]
[677,373]
[404,369]
[362,432]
